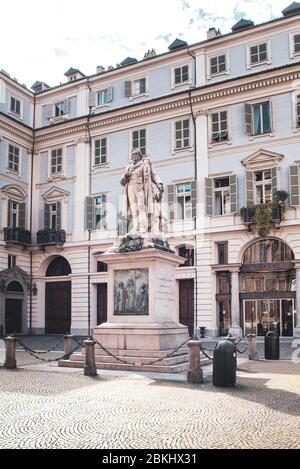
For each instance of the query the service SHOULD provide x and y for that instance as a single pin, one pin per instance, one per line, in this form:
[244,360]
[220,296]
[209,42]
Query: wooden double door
[58,307]
[101,303]
[186,304]
[13,316]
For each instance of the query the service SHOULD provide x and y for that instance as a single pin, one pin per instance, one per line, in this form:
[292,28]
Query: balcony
[17,236]
[263,217]
[46,237]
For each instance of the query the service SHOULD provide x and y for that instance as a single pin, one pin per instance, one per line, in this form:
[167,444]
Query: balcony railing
[45,237]
[248,213]
[17,235]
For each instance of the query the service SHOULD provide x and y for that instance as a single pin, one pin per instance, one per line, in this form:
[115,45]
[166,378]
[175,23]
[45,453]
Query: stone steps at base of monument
[107,359]
[179,368]
[146,354]
[166,366]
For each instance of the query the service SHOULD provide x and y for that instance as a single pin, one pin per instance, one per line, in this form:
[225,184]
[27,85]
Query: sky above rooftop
[41,40]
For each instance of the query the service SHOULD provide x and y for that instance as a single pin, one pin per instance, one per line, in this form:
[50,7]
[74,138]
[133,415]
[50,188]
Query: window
[56,161]
[101,267]
[263,186]
[102,98]
[184,201]
[13,158]
[219,126]
[222,252]
[218,64]
[297,44]
[14,215]
[181,74]
[100,212]
[298,111]
[53,216]
[100,151]
[182,134]
[188,253]
[258,53]
[59,109]
[139,140]
[261,118]
[15,106]
[139,87]
[11,261]
[222,205]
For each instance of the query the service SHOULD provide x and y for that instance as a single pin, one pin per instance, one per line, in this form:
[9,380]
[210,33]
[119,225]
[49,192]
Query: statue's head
[136,155]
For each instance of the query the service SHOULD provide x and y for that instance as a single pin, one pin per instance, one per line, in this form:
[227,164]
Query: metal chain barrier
[110,353]
[40,352]
[169,355]
[34,354]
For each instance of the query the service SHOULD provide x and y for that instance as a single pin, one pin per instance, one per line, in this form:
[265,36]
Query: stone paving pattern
[49,409]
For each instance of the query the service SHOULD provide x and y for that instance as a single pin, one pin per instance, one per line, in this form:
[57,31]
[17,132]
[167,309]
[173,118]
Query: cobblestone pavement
[68,410]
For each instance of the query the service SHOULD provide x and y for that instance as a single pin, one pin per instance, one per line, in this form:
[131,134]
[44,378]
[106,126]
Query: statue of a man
[143,195]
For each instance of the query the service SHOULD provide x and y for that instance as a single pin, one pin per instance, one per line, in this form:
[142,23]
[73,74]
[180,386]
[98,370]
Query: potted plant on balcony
[263,219]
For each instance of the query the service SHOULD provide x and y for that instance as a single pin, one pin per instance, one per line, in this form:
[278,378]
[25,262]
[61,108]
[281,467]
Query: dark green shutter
[46,216]
[209,196]
[171,202]
[22,215]
[274,175]
[109,94]
[89,213]
[233,193]
[9,213]
[58,215]
[294,185]
[248,118]
[127,89]
[92,99]
[249,189]
[66,106]
[49,111]
[104,199]
[194,198]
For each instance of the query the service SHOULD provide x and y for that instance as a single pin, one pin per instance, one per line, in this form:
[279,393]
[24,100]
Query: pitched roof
[177,44]
[291,9]
[73,70]
[129,60]
[242,24]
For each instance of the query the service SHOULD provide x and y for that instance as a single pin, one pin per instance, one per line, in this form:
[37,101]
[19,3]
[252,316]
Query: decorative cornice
[145,109]
[16,131]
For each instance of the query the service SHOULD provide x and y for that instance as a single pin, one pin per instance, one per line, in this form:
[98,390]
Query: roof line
[142,61]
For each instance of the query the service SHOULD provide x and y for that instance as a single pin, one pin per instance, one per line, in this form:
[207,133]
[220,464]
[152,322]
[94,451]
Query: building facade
[220,120]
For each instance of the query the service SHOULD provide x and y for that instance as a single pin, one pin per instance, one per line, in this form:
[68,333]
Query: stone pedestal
[143,314]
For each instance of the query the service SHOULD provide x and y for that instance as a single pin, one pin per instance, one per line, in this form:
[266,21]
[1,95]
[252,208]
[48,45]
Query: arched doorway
[13,308]
[267,288]
[58,297]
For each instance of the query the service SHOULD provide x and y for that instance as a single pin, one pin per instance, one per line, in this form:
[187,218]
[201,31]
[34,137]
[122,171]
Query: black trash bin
[272,348]
[224,364]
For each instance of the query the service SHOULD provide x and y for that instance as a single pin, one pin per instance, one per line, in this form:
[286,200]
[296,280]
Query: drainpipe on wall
[30,214]
[196,178]
[90,192]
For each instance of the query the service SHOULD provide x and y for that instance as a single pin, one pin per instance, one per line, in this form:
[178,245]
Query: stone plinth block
[195,373]
[143,313]
[10,355]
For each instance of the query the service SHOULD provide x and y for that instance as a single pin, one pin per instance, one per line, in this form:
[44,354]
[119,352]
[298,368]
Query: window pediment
[55,194]
[262,159]
[14,192]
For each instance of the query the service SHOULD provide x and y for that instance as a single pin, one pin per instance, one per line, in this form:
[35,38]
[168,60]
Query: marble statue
[143,192]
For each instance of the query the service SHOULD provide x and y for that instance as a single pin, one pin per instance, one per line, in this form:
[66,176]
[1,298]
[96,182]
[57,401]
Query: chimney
[213,32]
[100,69]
